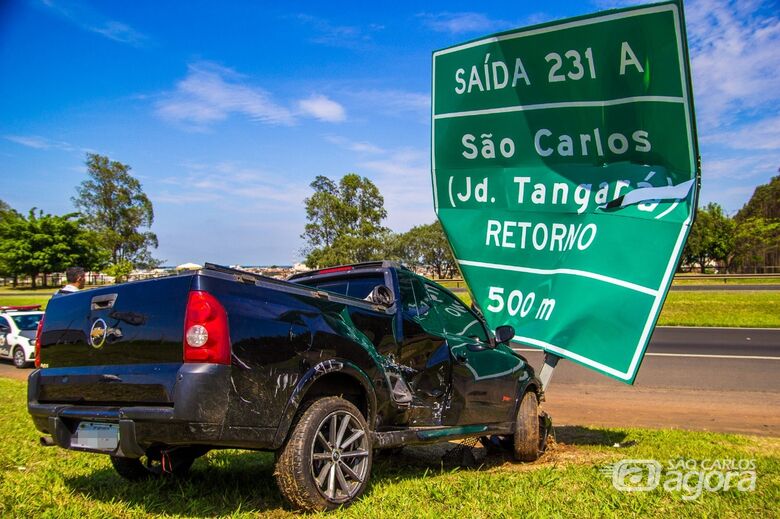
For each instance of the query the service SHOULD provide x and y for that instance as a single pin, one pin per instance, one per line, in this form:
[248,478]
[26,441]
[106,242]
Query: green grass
[23,299]
[27,291]
[744,309]
[704,280]
[452,284]
[739,309]
[566,482]
[465,297]
[26,296]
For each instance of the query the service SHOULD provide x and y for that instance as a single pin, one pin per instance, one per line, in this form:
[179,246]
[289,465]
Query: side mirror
[504,334]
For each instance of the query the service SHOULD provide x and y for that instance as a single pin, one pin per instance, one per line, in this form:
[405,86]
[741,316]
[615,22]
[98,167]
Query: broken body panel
[424,368]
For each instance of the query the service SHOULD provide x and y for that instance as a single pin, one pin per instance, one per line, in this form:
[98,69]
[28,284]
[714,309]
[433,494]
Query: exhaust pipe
[47,441]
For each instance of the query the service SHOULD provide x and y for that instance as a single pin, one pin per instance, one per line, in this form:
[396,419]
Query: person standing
[76,278]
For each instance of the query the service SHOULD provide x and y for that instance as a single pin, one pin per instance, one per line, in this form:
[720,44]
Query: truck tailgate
[121,343]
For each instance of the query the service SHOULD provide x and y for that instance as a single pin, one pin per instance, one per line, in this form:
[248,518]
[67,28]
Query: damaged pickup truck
[322,368]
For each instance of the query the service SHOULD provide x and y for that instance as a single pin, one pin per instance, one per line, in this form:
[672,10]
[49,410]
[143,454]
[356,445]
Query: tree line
[108,232]
[344,225]
[747,242]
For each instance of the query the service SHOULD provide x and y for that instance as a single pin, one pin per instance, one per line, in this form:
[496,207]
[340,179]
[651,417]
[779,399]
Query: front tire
[526,437]
[20,359]
[326,462]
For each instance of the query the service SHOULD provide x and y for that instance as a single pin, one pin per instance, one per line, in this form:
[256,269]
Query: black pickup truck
[322,368]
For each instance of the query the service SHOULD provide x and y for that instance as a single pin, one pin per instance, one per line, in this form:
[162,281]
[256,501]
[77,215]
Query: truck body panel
[422,368]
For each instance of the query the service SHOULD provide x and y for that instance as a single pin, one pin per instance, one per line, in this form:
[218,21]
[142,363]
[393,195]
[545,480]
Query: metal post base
[550,361]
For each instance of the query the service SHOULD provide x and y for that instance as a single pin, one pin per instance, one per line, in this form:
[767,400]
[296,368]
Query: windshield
[28,322]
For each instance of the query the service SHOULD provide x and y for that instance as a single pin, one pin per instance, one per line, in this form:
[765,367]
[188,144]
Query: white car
[18,326]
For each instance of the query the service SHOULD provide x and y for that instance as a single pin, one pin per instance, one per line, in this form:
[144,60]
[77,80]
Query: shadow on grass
[578,435]
[227,482]
[224,483]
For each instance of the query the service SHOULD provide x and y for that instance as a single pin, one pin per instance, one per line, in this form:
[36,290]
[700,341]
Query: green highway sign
[565,174]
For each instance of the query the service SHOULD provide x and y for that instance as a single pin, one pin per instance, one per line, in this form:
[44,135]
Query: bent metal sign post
[565,174]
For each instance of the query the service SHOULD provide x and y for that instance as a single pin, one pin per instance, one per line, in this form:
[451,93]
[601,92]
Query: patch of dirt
[557,454]
[8,370]
[441,455]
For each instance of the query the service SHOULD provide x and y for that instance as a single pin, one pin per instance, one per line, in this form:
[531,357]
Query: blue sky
[226,111]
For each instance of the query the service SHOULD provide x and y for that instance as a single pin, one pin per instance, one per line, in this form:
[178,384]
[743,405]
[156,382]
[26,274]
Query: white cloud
[395,103]
[619,4]
[211,93]
[229,181]
[43,143]
[322,108]
[120,32]
[761,135]
[400,100]
[90,20]
[348,36]
[403,176]
[459,23]
[735,60]
[356,146]
[737,93]
[740,167]
[404,179]
[38,143]
[471,22]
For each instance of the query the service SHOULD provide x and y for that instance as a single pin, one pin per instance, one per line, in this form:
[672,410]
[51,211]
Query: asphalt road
[744,359]
[716,379]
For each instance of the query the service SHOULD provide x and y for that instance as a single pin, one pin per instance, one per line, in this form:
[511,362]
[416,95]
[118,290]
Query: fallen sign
[565,174]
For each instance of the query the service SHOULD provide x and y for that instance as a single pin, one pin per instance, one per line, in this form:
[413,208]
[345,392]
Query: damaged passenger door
[484,375]
[423,357]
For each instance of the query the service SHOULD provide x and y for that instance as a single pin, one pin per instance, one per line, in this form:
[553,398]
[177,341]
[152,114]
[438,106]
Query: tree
[7,219]
[120,270]
[321,212]
[711,238]
[344,221]
[757,224]
[425,246]
[764,203]
[42,243]
[117,209]
[755,239]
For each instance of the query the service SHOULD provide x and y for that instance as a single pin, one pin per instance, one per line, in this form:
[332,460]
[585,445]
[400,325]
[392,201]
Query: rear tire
[20,360]
[326,461]
[526,438]
[138,469]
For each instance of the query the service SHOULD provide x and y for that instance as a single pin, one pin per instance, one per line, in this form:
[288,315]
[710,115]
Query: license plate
[96,436]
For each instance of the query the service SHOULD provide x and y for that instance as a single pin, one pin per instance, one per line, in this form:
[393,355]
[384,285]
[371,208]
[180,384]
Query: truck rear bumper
[197,416]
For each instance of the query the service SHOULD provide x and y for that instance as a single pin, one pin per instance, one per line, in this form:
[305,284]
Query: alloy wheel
[339,456]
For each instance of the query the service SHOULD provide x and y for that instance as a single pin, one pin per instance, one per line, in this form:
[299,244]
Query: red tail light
[38,343]
[335,269]
[206,335]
